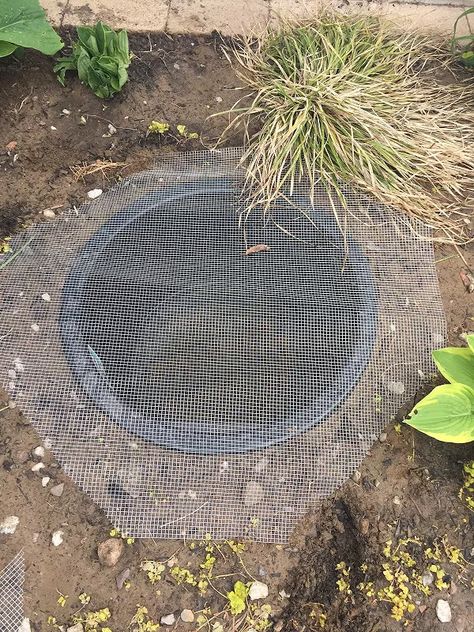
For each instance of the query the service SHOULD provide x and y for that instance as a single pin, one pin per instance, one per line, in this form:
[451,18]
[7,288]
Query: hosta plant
[101,57]
[23,24]
[463,45]
[447,413]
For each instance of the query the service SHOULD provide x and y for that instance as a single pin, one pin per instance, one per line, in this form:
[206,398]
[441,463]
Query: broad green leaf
[7,49]
[446,414]
[237,598]
[456,364]
[470,342]
[24,23]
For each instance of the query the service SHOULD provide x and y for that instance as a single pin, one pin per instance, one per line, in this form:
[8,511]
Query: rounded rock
[57,490]
[168,619]
[49,214]
[109,551]
[187,615]
[9,524]
[258,590]
[443,611]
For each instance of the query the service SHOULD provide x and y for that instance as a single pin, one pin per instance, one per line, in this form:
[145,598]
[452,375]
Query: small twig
[15,255]
[166,524]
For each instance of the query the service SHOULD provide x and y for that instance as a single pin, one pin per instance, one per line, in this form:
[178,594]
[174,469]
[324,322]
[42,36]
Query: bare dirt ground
[407,493]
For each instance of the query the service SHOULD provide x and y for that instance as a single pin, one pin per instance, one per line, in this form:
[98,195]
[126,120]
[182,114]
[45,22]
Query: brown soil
[182,81]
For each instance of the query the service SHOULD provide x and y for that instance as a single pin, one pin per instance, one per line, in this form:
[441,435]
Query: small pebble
[219,99]
[57,490]
[443,611]
[35,537]
[57,537]
[35,327]
[427,578]
[39,451]
[187,615]
[12,374]
[78,627]
[66,112]
[356,477]
[398,388]
[110,551]
[176,66]
[396,500]
[25,626]
[50,214]
[169,619]
[258,590]
[45,480]
[9,524]
[82,120]
[122,578]
[37,467]
[46,297]
[53,128]
[253,493]
[94,193]
[383,437]
[364,526]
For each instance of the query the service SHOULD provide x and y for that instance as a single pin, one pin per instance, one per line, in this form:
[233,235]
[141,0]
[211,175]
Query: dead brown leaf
[257,248]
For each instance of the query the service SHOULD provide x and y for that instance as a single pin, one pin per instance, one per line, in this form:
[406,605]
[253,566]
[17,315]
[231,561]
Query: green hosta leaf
[470,342]
[101,58]
[237,598]
[467,58]
[24,23]
[7,49]
[446,414]
[456,364]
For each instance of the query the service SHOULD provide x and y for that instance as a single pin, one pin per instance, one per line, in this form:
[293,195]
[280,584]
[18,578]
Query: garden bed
[408,486]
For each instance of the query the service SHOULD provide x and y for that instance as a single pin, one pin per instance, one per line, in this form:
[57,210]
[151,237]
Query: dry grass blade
[102,166]
[346,99]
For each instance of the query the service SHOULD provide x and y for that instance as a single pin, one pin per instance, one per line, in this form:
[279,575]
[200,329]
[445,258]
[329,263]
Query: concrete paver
[232,17]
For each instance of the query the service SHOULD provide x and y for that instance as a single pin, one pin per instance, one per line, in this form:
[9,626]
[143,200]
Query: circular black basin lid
[191,344]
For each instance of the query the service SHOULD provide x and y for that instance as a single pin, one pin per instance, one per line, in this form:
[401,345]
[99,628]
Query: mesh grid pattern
[11,594]
[190,389]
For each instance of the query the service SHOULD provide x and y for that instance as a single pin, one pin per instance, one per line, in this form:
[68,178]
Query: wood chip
[257,248]
[468,280]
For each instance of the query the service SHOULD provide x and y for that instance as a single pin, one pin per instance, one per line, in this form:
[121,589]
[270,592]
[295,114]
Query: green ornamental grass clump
[101,57]
[23,24]
[348,99]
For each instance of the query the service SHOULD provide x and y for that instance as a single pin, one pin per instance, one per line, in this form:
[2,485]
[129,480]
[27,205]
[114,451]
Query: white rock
[12,374]
[19,366]
[253,493]
[25,626]
[356,476]
[112,129]
[396,500]
[66,112]
[35,327]
[53,128]
[169,619]
[383,437]
[427,578]
[398,388]
[76,628]
[35,537]
[187,615]
[9,525]
[219,99]
[37,467]
[39,451]
[57,537]
[57,490]
[443,611]
[258,590]
[94,193]
[49,213]
[46,297]
[283,594]
[45,480]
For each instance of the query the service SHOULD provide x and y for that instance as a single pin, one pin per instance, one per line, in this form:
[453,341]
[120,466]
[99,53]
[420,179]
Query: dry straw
[349,99]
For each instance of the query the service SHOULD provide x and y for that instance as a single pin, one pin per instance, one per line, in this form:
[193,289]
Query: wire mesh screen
[191,388]
[11,594]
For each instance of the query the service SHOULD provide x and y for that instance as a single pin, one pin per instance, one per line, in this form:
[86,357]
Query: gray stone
[443,611]
[57,490]
[253,494]
[168,619]
[187,615]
